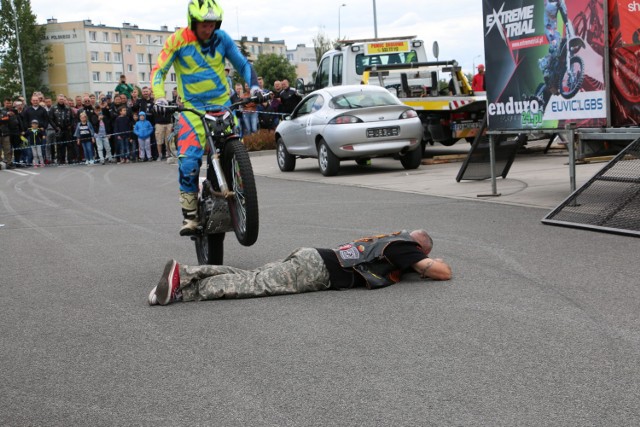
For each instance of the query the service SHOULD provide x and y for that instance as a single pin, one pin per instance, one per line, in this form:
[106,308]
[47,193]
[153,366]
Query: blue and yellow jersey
[201,79]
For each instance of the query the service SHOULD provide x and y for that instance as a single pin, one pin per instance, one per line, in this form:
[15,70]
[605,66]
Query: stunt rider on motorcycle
[551,10]
[198,54]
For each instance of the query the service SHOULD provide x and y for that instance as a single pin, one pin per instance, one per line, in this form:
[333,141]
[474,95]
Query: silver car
[349,123]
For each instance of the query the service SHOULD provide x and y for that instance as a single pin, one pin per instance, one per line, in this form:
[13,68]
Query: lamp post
[339,9]
[375,20]
[15,21]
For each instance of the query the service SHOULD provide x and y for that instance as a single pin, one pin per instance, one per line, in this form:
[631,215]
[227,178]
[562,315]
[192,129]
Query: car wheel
[286,162]
[448,142]
[412,159]
[328,162]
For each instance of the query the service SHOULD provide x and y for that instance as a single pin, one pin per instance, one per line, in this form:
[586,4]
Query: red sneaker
[168,288]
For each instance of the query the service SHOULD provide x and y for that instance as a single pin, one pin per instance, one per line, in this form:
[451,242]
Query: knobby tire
[243,206]
[210,249]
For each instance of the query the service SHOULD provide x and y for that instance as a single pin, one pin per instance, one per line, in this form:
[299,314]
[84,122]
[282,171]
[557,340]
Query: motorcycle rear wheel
[243,206]
[571,78]
[210,248]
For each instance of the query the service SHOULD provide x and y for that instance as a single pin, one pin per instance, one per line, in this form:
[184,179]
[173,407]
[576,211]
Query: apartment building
[89,58]
[304,59]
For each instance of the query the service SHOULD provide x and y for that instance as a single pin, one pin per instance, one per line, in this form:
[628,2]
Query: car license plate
[382,132]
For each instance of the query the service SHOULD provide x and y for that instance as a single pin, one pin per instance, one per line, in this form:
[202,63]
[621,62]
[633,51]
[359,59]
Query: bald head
[424,240]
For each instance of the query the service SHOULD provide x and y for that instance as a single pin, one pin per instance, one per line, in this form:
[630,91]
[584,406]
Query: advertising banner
[625,22]
[624,39]
[544,63]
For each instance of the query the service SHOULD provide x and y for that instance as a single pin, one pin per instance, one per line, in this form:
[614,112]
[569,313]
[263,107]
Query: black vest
[366,255]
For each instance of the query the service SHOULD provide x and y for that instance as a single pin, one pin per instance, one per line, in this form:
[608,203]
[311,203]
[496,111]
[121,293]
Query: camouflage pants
[302,271]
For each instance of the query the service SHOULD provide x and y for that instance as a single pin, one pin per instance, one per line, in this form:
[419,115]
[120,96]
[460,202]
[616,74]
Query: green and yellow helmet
[204,11]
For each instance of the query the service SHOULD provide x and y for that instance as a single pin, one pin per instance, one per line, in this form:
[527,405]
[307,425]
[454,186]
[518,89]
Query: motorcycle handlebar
[255,99]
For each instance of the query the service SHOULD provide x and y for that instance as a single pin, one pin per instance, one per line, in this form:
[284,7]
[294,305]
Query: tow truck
[400,65]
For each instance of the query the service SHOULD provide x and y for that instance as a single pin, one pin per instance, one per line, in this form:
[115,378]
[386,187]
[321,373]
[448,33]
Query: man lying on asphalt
[374,262]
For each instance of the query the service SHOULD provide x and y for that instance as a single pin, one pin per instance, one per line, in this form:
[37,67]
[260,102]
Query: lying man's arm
[435,269]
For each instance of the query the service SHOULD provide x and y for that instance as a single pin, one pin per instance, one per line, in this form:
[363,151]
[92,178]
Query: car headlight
[343,119]
[409,114]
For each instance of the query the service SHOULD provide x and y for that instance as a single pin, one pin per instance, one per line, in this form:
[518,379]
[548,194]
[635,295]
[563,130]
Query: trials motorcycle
[227,197]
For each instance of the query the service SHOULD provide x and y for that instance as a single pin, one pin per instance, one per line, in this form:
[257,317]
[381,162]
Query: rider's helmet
[204,11]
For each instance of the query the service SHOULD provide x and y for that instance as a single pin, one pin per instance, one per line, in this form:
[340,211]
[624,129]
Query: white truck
[400,65]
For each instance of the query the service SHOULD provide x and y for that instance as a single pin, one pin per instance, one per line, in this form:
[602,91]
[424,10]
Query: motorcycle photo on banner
[544,72]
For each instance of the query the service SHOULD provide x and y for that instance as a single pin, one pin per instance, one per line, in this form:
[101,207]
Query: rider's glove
[256,93]
[160,106]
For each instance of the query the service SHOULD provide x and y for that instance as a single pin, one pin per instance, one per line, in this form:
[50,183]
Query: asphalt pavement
[535,179]
[540,325]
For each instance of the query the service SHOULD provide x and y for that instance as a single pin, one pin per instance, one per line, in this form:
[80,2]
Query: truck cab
[347,64]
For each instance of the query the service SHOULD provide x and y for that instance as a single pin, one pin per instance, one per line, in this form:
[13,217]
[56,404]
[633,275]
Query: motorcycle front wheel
[243,206]
[210,248]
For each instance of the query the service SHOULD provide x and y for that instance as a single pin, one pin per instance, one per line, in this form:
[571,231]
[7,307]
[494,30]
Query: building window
[159,40]
[116,37]
[281,51]
[96,76]
[105,37]
[290,57]
[148,39]
[142,77]
[128,48]
[92,36]
[129,68]
[117,57]
[172,77]
[94,56]
[140,58]
[108,76]
[107,57]
[139,38]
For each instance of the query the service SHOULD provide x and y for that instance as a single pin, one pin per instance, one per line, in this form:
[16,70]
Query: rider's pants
[190,150]
[302,271]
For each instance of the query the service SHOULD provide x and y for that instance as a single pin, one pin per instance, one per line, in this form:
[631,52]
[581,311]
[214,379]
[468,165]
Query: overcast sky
[455,24]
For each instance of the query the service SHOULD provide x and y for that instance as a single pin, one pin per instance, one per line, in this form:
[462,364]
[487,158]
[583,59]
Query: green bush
[264,139]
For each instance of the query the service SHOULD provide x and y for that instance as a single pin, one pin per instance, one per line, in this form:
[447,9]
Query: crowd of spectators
[85,129]
[267,114]
[122,128]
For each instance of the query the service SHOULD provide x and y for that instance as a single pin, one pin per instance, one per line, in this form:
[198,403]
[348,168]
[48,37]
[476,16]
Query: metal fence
[609,201]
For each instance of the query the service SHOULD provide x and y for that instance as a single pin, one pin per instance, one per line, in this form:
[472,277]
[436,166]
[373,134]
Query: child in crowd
[143,130]
[133,140]
[122,131]
[35,139]
[267,120]
[102,141]
[85,136]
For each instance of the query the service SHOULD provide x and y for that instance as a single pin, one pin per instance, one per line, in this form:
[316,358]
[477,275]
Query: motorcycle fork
[222,182]
[216,149]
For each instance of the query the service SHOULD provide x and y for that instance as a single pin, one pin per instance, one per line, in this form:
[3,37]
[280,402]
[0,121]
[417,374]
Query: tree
[35,55]
[274,67]
[243,49]
[321,44]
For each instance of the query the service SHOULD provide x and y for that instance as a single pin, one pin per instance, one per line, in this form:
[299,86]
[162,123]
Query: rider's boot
[189,203]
